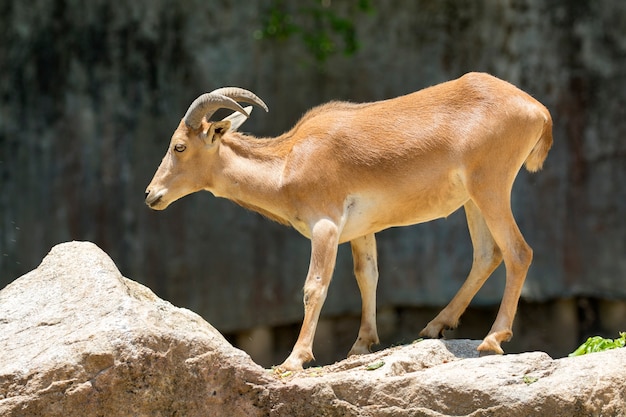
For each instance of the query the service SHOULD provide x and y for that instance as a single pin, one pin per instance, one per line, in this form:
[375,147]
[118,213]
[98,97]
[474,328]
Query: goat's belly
[370,215]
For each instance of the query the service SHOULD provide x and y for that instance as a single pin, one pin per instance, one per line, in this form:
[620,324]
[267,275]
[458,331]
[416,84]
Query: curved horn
[239,94]
[207,104]
[225,97]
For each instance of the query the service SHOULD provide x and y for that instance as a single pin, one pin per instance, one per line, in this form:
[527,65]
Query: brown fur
[346,171]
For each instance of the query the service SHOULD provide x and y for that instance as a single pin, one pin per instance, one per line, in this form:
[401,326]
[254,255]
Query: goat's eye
[179,147]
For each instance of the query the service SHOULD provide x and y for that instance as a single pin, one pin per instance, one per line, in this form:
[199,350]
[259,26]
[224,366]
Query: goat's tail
[538,154]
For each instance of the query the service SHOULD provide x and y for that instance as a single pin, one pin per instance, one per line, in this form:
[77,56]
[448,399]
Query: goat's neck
[249,171]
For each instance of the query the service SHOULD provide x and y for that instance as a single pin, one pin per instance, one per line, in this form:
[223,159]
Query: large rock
[78,339]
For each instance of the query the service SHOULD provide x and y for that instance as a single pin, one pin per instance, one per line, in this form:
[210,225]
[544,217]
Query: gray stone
[78,339]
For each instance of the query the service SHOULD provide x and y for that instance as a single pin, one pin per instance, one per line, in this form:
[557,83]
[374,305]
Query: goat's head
[193,143]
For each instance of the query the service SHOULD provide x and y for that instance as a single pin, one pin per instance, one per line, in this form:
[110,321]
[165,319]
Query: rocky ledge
[79,339]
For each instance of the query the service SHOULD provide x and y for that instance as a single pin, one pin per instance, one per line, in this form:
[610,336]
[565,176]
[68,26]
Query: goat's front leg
[324,242]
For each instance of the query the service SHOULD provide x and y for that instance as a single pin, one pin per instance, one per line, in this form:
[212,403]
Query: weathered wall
[91,91]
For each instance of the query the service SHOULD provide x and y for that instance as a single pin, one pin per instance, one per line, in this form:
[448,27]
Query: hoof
[490,346]
[287,366]
[295,361]
[432,332]
[362,348]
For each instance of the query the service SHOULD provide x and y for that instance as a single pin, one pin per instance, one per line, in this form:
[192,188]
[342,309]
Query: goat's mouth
[155,200]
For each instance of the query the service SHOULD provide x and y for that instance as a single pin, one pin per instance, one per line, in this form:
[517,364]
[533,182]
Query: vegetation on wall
[323,28]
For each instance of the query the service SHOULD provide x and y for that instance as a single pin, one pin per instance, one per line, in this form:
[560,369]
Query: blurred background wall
[90,92]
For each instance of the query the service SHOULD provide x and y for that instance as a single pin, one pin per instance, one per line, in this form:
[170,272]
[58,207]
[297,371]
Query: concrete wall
[91,91]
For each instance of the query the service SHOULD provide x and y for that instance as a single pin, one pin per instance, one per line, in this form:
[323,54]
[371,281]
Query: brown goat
[347,171]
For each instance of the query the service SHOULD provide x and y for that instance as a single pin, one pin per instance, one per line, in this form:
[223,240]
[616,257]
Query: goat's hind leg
[366,272]
[487,257]
[517,258]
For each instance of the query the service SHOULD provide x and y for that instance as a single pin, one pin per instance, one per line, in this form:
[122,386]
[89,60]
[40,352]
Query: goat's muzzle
[154,200]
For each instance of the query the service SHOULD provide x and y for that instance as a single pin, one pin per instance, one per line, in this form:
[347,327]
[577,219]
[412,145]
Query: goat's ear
[215,131]
[236,119]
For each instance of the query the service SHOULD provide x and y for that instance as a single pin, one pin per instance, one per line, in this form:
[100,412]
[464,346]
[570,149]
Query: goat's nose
[153,199]
[149,197]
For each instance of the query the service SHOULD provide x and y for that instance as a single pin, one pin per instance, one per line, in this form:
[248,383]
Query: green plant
[320,27]
[599,344]
[527,379]
[375,365]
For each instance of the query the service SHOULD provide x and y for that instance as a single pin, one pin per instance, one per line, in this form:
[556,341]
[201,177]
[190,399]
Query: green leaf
[375,365]
[599,344]
[529,379]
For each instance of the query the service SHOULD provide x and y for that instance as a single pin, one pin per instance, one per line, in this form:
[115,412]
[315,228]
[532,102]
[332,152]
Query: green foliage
[315,23]
[599,344]
[527,379]
[375,365]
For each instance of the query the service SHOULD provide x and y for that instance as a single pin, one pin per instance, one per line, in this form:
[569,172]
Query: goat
[346,171]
